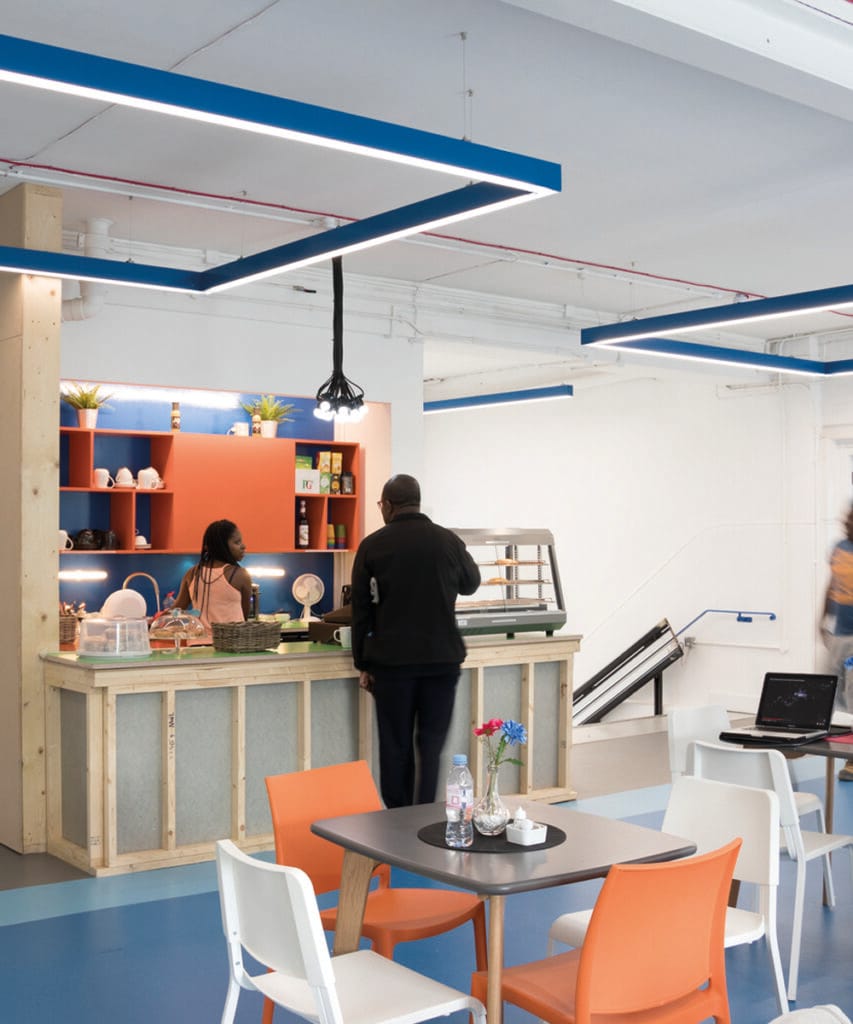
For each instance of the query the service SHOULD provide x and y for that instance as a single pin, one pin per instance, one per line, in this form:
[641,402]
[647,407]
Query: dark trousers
[413,712]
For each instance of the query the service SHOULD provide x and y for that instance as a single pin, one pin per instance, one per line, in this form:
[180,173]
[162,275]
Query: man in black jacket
[406,645]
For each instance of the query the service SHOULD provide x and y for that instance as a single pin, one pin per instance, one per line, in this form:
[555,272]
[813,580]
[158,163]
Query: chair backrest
[271,911]
[713,813]
[656,935]
[758,767]
[683,725]
[300,798]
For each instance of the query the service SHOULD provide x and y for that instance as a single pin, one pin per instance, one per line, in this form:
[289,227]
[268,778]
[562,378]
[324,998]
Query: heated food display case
[520,589]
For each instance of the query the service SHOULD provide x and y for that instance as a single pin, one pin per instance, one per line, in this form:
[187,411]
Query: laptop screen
[796,700]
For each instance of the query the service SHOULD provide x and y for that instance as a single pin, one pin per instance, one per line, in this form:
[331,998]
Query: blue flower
[514,732]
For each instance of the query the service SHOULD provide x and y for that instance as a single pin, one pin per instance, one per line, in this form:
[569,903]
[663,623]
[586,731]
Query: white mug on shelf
[343,636]
[141,541]
[65,542]
[148,479]
[240,429]
[124,478]
[103,478]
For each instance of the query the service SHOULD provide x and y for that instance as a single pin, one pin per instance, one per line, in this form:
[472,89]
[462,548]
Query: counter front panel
[150,761]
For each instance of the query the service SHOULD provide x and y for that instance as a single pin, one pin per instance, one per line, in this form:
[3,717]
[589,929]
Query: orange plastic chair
[653,952]
[391,915]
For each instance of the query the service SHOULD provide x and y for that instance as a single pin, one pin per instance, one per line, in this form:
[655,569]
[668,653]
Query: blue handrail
[740,616]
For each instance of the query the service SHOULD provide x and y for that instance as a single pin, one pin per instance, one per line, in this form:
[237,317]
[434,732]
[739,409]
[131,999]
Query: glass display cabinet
[520,589]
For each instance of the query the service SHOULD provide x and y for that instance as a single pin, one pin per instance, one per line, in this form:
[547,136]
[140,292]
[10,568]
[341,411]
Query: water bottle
[459,804]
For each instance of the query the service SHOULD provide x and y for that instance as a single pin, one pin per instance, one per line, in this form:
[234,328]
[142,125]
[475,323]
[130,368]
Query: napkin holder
[531,835]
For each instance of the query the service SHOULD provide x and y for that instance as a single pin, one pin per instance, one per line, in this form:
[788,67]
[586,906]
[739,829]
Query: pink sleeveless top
[216,599]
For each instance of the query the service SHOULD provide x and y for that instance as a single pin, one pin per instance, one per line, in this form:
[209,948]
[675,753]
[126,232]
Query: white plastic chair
[711,814]
[271,911]
[684,725]
[767,769]
[828,1014]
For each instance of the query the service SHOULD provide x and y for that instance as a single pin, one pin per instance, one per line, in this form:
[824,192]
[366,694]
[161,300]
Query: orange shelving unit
[213,476]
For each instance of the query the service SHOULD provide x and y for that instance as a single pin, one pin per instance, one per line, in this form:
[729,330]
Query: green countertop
[196,654]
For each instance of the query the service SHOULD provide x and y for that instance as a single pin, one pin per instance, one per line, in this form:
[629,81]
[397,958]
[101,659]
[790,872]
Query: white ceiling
[700,160]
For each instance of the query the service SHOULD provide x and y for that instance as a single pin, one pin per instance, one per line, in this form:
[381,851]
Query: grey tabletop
[826,748]
[592,845]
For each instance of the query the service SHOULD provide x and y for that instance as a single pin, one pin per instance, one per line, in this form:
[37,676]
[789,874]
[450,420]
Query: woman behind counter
[218,586]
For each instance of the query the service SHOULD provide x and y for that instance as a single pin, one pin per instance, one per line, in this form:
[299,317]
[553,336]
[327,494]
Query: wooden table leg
[829,795]
[494,1003]
[355,883]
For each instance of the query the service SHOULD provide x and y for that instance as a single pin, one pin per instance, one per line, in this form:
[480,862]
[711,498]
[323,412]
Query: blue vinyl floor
[148,948]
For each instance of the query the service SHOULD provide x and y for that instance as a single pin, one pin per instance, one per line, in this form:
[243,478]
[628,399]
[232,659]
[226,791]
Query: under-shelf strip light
[500,178]
[499,398]
[81,575]
[265,572]
[649,335]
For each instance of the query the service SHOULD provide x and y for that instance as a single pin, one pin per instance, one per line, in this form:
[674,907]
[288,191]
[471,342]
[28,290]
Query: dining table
[578,846]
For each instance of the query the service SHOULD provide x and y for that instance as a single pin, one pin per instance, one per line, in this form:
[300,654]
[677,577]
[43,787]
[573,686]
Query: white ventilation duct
[96,242]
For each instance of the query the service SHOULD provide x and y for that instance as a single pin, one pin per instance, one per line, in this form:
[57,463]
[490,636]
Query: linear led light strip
[500,178]
[649,335]
[499,398]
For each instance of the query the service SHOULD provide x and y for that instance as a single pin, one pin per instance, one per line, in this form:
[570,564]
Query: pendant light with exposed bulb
[339,398]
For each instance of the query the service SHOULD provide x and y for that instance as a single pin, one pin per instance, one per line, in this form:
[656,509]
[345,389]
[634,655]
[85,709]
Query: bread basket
[245,637]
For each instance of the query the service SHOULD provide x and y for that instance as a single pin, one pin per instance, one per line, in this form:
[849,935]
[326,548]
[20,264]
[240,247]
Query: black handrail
[642,662]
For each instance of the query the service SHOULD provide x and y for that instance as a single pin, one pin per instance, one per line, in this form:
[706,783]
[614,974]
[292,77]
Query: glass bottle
[303,536]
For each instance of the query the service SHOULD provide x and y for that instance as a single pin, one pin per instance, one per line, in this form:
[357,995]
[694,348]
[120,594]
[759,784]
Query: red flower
[489,728]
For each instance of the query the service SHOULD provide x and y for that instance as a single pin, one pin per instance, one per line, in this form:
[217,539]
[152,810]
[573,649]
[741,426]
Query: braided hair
[214,549]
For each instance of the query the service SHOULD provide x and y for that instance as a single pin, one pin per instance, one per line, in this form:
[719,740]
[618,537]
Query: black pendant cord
[338,397]
[337,316]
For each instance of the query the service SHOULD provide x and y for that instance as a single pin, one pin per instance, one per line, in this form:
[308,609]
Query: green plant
[80,396]
[268,407]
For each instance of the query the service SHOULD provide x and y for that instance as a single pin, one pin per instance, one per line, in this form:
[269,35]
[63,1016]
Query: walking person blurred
[836,625]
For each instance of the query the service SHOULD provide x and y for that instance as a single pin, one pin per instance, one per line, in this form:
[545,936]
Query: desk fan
[308,589]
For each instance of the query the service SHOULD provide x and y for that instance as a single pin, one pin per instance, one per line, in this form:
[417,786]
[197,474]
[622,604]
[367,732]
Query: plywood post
[30,318]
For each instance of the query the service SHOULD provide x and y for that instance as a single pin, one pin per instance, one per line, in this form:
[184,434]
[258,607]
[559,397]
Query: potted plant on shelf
[271,412]
[87,400]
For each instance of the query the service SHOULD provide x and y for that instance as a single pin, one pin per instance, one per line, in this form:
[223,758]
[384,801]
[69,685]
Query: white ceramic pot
[269,428]
[87,418]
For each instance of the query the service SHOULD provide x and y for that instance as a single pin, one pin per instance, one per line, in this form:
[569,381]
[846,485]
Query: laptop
[795,708]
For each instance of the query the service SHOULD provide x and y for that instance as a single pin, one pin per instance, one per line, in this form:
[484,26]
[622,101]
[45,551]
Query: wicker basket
[242,637]
[67,629]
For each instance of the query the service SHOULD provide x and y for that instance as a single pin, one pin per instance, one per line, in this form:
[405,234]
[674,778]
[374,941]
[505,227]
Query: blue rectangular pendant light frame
[649,335]
[497,178]
[500,398]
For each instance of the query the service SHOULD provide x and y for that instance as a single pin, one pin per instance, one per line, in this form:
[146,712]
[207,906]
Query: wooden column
[30,316]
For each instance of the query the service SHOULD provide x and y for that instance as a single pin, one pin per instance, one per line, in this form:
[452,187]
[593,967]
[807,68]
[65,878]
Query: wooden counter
[151,760]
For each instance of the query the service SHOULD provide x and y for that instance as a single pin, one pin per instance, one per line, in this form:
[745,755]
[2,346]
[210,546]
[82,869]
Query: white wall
[667,495]
[268,339]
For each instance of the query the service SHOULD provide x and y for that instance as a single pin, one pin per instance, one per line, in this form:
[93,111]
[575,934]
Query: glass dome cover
[177,626]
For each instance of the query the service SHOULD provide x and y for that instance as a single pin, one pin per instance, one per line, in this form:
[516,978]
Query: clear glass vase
[490,812]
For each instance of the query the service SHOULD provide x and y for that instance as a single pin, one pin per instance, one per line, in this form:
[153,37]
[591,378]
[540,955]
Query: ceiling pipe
[96,242]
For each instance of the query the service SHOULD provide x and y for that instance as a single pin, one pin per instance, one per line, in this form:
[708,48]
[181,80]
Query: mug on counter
[148,479]
[65,542]
[239,429]
[343,636]
[103,478]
